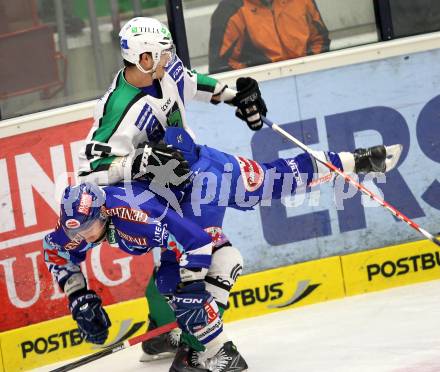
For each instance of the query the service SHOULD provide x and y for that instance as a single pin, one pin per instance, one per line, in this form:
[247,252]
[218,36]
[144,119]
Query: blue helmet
[80,207]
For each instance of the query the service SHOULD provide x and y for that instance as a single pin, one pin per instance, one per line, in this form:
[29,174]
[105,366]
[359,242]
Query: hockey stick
[117,347]
[349,179]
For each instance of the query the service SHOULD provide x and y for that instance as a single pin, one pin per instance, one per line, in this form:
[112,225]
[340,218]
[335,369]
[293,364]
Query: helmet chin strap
[151,71]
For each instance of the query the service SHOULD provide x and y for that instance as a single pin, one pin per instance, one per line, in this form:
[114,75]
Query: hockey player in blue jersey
[135,219]
[136,222]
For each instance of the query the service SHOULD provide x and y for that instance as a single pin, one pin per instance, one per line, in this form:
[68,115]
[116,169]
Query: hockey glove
[161,163]
[93,321]
[250,105]
[196,311]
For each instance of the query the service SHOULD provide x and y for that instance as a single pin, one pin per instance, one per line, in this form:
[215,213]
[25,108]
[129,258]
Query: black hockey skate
[376,159]
[160,347]
[227,359]
[186,360]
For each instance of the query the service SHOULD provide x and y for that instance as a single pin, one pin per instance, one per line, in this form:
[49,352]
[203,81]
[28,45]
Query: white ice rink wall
[386,92]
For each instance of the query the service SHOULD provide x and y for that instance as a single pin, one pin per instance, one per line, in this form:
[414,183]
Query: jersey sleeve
[191,244]
[63,256]
[199,86]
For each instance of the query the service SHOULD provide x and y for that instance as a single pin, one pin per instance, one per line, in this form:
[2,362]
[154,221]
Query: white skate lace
[174,337]
[218,362]
[195,359]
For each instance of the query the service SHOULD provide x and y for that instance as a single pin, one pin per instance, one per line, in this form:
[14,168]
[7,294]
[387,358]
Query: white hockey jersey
[126,118]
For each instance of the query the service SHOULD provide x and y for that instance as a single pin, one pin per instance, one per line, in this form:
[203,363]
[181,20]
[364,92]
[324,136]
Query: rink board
[391,267]
[253,294]
[286,287]
[1,358]
[59,339]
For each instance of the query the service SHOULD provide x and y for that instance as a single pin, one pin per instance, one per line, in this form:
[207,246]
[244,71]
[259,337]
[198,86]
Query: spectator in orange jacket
[252,32]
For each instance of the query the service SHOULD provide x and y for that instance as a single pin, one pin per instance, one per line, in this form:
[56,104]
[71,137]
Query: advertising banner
[35,167]
[389,101]
[286,287]
[56,340]
[391,267]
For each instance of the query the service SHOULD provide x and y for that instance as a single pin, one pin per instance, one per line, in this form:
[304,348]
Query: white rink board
[389,331]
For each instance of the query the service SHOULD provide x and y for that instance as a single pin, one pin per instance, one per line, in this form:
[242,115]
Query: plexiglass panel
[232,34]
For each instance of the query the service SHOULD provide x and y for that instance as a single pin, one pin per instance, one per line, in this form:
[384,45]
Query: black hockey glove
[92,319]
[250,105]
[161,163]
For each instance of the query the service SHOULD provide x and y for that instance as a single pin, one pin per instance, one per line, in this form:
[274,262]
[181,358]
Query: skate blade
[150,358]
[393,156]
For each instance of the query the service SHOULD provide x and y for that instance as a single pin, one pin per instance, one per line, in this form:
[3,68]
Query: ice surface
[397,330]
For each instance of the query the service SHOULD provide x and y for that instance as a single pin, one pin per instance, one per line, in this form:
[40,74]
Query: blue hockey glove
[250,105]
[196,311]
[92,319]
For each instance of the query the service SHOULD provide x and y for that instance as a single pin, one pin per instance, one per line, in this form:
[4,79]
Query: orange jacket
[251,32]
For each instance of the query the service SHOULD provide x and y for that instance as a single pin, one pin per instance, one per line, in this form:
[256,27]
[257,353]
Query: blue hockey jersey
[138,221]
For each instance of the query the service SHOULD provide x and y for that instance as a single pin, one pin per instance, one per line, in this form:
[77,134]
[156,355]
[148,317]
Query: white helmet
[142,34]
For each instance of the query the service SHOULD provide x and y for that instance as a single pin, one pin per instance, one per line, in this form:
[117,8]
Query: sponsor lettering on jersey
[324,179]
[251,172]
[209,329]
[165,106]
[178,70]
[160,233]
[211,312]
[73,244]
[128,214]
[138,240]
[294,168]
[85,203]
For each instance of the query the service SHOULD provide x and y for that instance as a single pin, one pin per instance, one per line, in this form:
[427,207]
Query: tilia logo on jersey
[403,266]
[272,292]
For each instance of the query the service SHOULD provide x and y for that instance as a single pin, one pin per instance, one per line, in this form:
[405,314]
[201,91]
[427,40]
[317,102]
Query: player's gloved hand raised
[93,321]
[162,161]
[250,105]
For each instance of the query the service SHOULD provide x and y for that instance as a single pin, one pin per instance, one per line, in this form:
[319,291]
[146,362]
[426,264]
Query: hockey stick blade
[350,180]
[117,347]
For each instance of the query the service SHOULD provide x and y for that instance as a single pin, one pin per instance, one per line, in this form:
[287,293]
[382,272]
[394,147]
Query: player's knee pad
[226,267]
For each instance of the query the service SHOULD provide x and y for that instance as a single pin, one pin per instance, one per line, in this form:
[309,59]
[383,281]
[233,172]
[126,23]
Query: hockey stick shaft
[352,181]
[117,347]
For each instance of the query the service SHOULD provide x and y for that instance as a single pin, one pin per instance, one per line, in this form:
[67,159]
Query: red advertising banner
[34,169]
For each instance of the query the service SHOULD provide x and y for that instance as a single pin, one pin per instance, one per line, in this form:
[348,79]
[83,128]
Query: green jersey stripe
[206,83]
[124,96]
